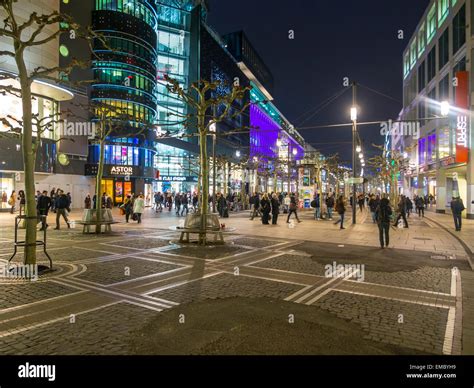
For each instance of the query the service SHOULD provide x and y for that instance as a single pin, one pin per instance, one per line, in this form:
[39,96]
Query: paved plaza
[267,291]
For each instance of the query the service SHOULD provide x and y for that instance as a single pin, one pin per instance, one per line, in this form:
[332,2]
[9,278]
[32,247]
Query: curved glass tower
[124,73]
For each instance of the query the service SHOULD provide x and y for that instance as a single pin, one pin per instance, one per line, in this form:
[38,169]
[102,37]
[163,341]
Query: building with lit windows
[275,146]
[124,74]
[48,100]
[148,39]
[437,64]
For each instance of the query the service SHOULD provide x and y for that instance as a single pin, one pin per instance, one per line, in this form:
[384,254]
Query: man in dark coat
[382,215]
[275,209]
[62,206]
[457,207]
[43,205]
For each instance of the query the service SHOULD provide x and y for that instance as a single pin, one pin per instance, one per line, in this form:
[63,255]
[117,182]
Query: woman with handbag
[138,208]
[127,207]
[12,201]
[293,209]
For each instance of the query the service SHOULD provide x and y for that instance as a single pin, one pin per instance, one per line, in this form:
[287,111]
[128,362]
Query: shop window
[413,55]
[459,29]
[431,64]
[443,49]
[422,151]
[443,11]
[432,106]
[421,76]
[421,40]
[432,148]
[444,88]
[443,143]
[431,30]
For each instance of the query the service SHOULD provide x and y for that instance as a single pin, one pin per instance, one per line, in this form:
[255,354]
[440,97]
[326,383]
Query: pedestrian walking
[457,207]
[128,208]
[341,210]
[43,205]
[361,202]
[420,206]
[62,208]
[53,197]
[255,206]
[195,202]
[316,204]
[409,204]
[383,214]
[87,202]
[177,203]
[22,199]
[184,204]
[374,202]
[138,208]
[293,209]
[12,201]
[330,204]
[275,209]
[266,208]
[402,212]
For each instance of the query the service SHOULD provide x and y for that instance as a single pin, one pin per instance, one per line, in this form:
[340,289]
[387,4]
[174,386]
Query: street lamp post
[213,130]
[354,132]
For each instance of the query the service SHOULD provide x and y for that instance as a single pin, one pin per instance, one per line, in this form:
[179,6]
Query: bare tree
[387,166]
[34,32]
[203,101]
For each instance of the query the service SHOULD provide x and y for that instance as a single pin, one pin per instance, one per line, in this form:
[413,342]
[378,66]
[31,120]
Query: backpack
[385,213]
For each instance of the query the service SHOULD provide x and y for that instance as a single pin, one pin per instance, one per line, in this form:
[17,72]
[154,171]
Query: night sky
[333,40]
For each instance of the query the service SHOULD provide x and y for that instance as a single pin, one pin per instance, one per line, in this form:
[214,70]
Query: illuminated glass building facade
[437,67]
[146,40]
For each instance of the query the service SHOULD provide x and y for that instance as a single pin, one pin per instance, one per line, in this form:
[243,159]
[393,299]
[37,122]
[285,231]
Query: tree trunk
[225,179]
[29,159]
[204,178]
[98,183]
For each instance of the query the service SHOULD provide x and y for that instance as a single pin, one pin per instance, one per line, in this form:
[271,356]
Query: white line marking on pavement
[438,305]
[453,281]
[37,325]
[143,305]
[115,293]
[349,275]
[162,288]
[449,334]
[401,288]
[288,298]
[306,296]
[27,305]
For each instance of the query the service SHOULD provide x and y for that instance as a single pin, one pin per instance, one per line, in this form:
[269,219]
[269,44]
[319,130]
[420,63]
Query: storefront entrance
[6,188]
[117,189]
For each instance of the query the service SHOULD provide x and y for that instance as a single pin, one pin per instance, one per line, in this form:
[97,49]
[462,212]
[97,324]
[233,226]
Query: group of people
[56,201]
[267,206]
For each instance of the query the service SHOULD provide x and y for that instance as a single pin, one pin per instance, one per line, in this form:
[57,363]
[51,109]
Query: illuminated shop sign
[173,178]
[121,170]
[462,120]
